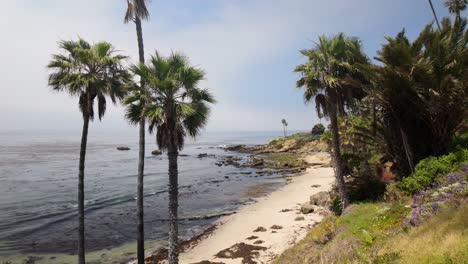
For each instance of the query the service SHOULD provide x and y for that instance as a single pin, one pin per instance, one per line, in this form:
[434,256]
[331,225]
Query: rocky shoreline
[286,159]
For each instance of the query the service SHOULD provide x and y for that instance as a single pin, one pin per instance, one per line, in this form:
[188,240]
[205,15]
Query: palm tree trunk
[434,13]
[173,206]
[141,161]
[81,168]
[284,131]
[407,149]
[337,157]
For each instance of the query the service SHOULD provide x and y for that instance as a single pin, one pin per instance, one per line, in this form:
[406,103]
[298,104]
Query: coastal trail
[259,232]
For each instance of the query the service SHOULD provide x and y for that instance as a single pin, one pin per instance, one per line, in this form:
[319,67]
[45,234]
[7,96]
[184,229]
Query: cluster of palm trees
[417,97]
[167,96]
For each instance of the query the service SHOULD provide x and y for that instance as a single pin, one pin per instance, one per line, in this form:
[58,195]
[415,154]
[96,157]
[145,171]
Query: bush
[429,170]
[318,130]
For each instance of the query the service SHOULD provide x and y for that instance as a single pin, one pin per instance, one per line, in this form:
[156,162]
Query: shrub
[450,191]
[318,130]
[429,170]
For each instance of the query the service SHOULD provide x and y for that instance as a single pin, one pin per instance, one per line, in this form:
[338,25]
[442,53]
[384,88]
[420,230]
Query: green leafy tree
[136,11]
[333,75]
[318,130]
[90,72]
[422,91]
[176,108]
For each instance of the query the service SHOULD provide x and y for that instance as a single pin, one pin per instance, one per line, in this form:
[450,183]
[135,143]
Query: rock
[308,208]
[288,145]
[299,218]
[156,152]
[321,199]
[252,237]
[285,210]
[258,242]
[315,185]
[260,229]
[256,162]
[235,147]
[276,227]
[202,155]
[123,148]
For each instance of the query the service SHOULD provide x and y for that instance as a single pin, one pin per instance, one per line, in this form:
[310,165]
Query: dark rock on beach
[156,152]
[123,148]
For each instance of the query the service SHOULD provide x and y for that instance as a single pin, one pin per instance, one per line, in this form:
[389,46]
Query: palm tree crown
[136,8]
[456,6]
[333,73]
[177,106]
[85,69]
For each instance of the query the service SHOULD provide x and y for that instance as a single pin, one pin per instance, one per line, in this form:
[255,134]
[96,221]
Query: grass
[278,160]
[442,239]
[372,233]
[299,137]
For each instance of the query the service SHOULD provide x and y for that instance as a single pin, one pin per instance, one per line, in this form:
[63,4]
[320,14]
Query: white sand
[266,213]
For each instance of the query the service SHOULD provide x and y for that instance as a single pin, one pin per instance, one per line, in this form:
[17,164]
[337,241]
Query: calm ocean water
[38,188]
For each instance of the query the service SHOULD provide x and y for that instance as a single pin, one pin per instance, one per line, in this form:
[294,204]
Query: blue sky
[247,47]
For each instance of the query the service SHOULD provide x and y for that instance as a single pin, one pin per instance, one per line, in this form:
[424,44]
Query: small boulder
[123,148]
[276,227]
[202,155]
[321,199]
[308,208]
[156,152]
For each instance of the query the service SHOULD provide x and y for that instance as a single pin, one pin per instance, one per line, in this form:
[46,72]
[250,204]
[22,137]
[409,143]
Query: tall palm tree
[90,72]
[456,6]
[434,13]
[136,11]
[285,125]
[333,76]
[176,107]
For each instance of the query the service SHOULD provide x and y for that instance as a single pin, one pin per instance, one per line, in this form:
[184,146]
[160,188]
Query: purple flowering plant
[450,191]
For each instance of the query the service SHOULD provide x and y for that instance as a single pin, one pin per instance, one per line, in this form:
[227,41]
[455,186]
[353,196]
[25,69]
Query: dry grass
[372,233]
[442,239]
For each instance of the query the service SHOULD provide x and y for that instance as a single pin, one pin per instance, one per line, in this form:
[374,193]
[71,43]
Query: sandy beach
[278,210]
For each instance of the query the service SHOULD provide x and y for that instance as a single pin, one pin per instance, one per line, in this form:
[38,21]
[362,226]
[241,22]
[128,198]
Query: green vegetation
[302,137]
[372,233]
[175,107]
[406,122]
[91,73]
[137,11]
[430,169]
[333,77]
[318,130]
[279,160]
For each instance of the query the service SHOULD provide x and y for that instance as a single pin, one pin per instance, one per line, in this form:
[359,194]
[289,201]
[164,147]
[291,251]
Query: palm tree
[285,125]
[334,76]
[89,72]
[434,13]
[456,6]
[176,107]
[136,11]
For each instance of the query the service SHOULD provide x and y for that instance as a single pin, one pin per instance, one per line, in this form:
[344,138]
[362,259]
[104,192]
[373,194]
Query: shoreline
[231,239]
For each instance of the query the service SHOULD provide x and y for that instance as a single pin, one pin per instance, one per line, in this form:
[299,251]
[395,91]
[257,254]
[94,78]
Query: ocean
[38,188]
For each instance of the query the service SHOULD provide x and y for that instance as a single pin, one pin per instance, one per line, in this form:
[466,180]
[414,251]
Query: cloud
[248,49]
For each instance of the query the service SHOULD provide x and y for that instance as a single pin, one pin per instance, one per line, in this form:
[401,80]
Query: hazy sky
[248,48]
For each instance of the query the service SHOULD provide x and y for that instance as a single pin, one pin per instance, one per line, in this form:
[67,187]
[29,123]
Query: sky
[248,49]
